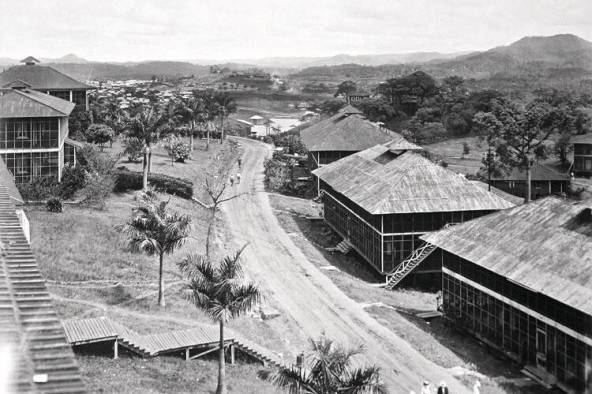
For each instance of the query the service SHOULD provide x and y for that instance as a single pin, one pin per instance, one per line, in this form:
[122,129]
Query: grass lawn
[396,309]
[90,273]
[452,153]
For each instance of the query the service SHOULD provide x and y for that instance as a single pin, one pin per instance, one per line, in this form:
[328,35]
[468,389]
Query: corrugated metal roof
[41,78]
[498,192]
[17,103]
[346,132]
[382,182]
[545,245]
[29,322]
[538,172]
[581,139]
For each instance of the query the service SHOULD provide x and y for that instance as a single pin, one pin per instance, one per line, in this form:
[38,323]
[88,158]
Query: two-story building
[47,80]
[34,133]
[582,164]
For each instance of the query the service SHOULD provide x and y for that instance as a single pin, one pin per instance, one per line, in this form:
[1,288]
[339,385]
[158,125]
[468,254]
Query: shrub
[177,149]
[132,180]
[98,187]
[54,205]
[99,134]
[134,149]
[39,189]
[73,179]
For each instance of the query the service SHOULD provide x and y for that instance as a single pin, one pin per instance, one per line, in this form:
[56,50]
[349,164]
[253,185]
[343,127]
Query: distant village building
[582,164]
[545,181]
[356,97]
[257,119]
[343,134]
[382,199]
[34,133]
[47,80]
[274,126]
[520,281]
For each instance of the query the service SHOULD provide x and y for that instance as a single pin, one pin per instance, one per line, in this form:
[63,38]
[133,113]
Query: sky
[135,30]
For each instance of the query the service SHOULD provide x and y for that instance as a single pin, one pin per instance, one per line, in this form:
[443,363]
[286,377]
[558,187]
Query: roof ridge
[65,75]
[23,93]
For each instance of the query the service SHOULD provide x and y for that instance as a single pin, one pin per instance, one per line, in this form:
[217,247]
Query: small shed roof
[383,180]
[256,117]
[347,130]
[538,172]
[25,103]
[545,245]
[41,78]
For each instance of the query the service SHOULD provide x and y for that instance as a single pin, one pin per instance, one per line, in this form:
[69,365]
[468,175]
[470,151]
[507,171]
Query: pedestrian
[442,389]
[425,388]
[476,387]
[231,180]
[239,160]
[238,176]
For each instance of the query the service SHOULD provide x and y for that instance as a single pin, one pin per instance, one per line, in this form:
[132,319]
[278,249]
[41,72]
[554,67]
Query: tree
[563,148]
[191,112]
[156,231]
[147,125]
[466,149]
[222,293]
[346,88]
[328,370]
[78,123]
[331,107]
[225,105]
[99,134]
[489,129]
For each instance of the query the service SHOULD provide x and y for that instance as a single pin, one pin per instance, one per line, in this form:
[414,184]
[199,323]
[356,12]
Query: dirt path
[306,294]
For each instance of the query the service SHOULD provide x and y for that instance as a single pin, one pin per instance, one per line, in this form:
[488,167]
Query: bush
[177,149]
[134,149]
[132,180]
[54,205]
[73,179]
[99,186]
[39,189]
[99,134]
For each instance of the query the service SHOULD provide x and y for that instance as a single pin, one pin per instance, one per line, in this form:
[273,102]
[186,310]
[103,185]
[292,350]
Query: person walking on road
[442,389]
[239,161]
[238,178]
[477,387]
[425,388]
[231,180]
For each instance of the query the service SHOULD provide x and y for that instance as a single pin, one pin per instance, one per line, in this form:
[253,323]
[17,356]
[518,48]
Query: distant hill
[69,58]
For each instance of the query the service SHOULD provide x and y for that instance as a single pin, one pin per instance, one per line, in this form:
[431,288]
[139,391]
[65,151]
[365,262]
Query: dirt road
[306,294]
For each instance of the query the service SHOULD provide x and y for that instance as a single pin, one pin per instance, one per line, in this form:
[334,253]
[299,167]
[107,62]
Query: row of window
[33,133]
[27,166]
[551,308]
[78,96]
[525,338]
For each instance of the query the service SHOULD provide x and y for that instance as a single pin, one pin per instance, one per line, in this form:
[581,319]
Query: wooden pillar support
[187,354]
[115,350]
[231,354]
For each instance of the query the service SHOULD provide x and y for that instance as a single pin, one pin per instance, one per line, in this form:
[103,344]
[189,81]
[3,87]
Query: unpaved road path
[306,294]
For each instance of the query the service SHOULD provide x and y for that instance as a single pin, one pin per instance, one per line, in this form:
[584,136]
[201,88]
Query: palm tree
[221,292]
[225,106]
[147,125]
[156,231]
[190,111]
[328,370]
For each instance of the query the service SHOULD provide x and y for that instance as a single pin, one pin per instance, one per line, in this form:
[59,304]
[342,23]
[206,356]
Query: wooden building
[582,164]
[382,199]
[520,280]
[47,80]
[34,139]
[545,181]
[343,134]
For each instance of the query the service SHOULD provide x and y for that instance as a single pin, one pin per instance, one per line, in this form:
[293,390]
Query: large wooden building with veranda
[382,199]
[520,280]
[344,134]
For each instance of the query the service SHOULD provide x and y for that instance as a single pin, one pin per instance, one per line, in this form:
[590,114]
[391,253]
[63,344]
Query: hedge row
[132,180]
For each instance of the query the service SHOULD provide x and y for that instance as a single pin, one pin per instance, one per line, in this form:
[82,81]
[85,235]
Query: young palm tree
[222,293]
[191,112]
[147,125]
[225,106]
[328,370]
[156,231]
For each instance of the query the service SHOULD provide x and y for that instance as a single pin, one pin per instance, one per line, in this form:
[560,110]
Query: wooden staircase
[258,352]
[343,247]
[406,266]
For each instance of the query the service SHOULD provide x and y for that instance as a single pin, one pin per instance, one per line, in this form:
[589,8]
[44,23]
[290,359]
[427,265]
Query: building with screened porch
[381,200]
[520,280]
[34,133]
[47,80]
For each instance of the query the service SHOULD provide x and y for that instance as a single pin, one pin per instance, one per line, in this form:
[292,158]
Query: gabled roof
[345,131]
[545,245]
[581,139]
[383,181]
[30,59]
[538,172]
[25,103]
[33,338]
[498,192]
[41,78]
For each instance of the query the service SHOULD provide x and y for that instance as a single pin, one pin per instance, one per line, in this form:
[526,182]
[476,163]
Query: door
[541,347]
